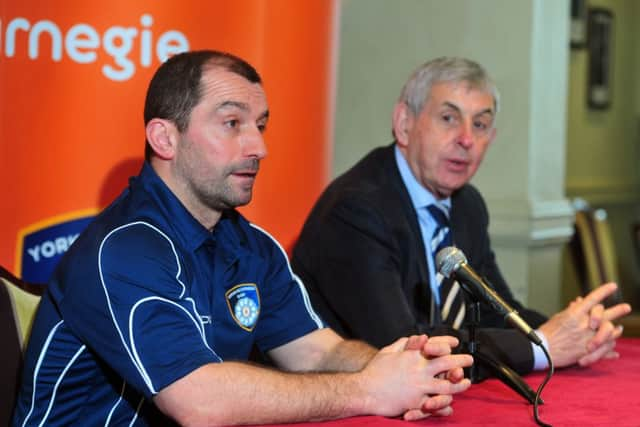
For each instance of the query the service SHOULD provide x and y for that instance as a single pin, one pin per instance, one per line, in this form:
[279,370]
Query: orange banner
[73,75]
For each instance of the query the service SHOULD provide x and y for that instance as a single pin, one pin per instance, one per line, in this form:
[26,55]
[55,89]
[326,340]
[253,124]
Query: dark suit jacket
[362,259]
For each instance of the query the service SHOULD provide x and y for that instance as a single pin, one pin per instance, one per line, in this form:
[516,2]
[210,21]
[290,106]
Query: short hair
[176,89]
[417,89]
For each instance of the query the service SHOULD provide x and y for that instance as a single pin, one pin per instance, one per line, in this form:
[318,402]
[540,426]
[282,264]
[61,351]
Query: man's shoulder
[370,181]
[131,224]
[370,196]
[468,196]
[118,245]
[372,167]
[468,209]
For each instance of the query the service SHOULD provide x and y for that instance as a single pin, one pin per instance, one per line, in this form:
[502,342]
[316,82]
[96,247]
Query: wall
[603,146]
[523,45]
[636,55]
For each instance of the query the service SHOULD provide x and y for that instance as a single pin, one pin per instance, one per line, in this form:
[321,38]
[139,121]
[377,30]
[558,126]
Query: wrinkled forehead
[482,87]
[220,85]
[464,93]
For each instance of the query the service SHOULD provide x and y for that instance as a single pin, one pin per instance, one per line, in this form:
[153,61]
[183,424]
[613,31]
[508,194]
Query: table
[605,394]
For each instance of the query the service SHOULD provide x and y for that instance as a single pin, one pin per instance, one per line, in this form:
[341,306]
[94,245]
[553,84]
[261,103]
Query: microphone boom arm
[451,261]
[483,291]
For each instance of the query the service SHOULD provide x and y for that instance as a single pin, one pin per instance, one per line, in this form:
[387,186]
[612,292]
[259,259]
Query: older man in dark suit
[366,252]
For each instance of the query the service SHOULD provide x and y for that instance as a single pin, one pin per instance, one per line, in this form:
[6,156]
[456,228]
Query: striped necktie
[452,306]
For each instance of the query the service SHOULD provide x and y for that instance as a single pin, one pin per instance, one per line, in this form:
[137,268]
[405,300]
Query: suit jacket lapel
[397,189]
[459,226]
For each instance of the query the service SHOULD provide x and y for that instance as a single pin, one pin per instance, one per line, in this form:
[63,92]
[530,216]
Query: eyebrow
[455,107]
[242,106]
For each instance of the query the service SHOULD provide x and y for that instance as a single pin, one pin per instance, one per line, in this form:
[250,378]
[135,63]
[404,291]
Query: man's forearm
[347,356]
[238,393]
[395,380]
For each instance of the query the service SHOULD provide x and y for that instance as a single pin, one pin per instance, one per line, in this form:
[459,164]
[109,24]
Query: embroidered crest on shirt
[244,304]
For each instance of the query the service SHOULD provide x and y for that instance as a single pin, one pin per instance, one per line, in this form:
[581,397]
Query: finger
[597,354]
[455,375]
[595,316]
[430,405]
[595,297]
[416,342]
[445,339]
[444,412]
[419,414]
[436,403]
[415,415]
[449,362]
[435,349]
[618,332]
[603,334]
[617,311]
[611,355]
[575,302]
[435,386]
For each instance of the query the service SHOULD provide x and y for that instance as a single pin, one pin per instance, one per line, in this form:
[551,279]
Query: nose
[465,138]
[255,145]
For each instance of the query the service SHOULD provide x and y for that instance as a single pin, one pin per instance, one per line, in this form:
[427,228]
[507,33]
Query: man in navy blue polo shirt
[152,314]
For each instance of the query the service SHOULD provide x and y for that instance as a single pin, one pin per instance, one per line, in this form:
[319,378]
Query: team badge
[244,304]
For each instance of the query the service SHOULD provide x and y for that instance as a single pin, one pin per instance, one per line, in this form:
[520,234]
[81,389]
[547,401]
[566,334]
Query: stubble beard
[222,194]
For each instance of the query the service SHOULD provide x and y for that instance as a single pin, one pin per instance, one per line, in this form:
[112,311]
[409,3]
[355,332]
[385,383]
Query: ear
[402,123]
[162,137]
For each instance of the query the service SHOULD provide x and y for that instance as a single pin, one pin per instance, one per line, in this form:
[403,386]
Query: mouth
[458,164]
[245,174]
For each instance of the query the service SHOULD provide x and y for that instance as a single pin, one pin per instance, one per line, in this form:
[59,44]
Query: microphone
[451,260]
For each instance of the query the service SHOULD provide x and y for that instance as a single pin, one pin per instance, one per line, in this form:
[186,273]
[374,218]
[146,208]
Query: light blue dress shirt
[421,198]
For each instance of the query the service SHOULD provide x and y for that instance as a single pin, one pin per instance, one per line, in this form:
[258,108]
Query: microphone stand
[499,369]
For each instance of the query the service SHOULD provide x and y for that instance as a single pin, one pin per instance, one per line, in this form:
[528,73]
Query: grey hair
[446,69]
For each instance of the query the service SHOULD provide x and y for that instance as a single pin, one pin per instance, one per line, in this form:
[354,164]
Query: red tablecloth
[605,394]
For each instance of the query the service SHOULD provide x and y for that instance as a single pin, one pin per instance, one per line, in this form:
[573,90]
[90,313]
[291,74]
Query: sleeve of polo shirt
[286,312]
[145,328]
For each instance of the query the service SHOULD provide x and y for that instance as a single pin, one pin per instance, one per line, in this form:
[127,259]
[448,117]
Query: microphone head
[449,259]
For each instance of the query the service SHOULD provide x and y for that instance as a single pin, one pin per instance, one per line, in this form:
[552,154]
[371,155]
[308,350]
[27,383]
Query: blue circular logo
[246,311]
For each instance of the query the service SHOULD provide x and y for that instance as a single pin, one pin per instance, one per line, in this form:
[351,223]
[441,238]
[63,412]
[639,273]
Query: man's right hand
[405,378]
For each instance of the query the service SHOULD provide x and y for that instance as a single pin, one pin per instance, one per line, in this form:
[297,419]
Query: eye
[480,125]
[231,124]
[261,124]
[450,118]
[483,124]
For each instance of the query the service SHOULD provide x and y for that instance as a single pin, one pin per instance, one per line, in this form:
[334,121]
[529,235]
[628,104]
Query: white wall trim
[522,223]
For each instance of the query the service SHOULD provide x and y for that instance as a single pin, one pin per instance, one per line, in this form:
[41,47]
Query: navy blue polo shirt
[145,296]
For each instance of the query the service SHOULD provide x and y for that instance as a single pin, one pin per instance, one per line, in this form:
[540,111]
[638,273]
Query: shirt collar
[420,196]
[187,227]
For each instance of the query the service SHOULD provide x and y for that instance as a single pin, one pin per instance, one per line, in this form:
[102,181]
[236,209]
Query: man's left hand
[583,333]
[602,344]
